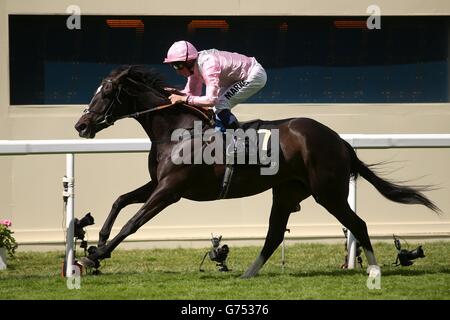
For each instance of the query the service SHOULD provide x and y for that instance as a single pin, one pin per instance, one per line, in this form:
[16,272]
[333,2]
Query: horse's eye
[86,111]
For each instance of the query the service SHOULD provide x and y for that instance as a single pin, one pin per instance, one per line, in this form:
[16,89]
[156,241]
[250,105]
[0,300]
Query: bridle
[108,117]
[108,114]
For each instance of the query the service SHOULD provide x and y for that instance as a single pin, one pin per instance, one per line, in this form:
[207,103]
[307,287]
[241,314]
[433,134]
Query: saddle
[236,149]
[207,114]
[249,150]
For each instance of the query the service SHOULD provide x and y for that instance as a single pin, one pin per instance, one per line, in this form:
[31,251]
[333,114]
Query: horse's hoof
[247,275]
[92,250]
[98,251]
[89,263]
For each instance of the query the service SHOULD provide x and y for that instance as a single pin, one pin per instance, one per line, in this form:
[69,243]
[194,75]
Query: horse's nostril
[80,127]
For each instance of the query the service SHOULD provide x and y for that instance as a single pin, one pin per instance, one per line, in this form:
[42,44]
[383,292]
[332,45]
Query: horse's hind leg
[285,200]
[277,226]
[347,217]
[140,195]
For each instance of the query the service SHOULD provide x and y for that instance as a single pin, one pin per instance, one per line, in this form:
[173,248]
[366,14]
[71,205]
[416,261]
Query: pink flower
[6,222]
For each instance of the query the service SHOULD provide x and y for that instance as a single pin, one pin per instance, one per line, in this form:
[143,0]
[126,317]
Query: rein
[140,113]
[109,119]
[166,106]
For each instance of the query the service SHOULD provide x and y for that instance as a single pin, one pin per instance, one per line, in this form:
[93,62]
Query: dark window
[307,59]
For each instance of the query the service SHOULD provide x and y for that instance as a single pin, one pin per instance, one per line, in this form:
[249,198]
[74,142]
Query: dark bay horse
[313,161]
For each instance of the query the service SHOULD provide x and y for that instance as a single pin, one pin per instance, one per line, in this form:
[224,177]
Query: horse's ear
[112,82]
[134,87]
[121,74]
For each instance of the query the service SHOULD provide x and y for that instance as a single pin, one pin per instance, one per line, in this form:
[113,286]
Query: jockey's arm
[193,87]
[211,73]
[206,101]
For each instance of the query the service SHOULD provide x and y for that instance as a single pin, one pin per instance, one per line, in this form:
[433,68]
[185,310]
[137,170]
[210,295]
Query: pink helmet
[181,51]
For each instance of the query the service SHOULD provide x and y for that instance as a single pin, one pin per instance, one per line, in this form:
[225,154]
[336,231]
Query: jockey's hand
[175,98]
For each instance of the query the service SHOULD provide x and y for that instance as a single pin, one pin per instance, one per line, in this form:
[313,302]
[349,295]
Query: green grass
[312,272]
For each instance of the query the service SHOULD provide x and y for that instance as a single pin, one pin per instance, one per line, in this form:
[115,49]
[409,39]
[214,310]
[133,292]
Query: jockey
[230,78]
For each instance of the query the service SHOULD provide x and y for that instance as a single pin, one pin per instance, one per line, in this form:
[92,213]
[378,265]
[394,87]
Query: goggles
[178,65]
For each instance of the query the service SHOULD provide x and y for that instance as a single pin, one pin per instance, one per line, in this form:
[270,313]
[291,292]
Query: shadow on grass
[33,277]
[109,273]
[209,275]
[216,276]
[320,273]
[413,272]
[220,275]
[353,272]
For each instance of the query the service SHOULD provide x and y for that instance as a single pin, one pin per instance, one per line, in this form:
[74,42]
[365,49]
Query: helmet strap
[187,51]
[190,66]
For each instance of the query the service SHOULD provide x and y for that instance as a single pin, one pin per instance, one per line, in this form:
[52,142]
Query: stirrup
[229,169]
[237,147]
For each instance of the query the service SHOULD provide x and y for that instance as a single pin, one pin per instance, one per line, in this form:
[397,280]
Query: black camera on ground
[218,254]
[405,256]
[79,226]
[79,234]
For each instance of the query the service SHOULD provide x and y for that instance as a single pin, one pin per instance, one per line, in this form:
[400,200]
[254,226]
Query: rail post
[70,206]
[351,240]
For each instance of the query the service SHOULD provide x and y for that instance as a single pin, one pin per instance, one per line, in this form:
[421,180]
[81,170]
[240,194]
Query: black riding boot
[228,120]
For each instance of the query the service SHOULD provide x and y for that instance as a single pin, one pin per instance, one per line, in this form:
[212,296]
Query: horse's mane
[140,73]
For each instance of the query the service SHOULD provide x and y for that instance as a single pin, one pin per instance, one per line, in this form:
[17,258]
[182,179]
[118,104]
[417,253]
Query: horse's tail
[390,190]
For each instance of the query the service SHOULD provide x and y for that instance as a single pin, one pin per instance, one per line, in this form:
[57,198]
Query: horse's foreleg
[158,201]
[140,195]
